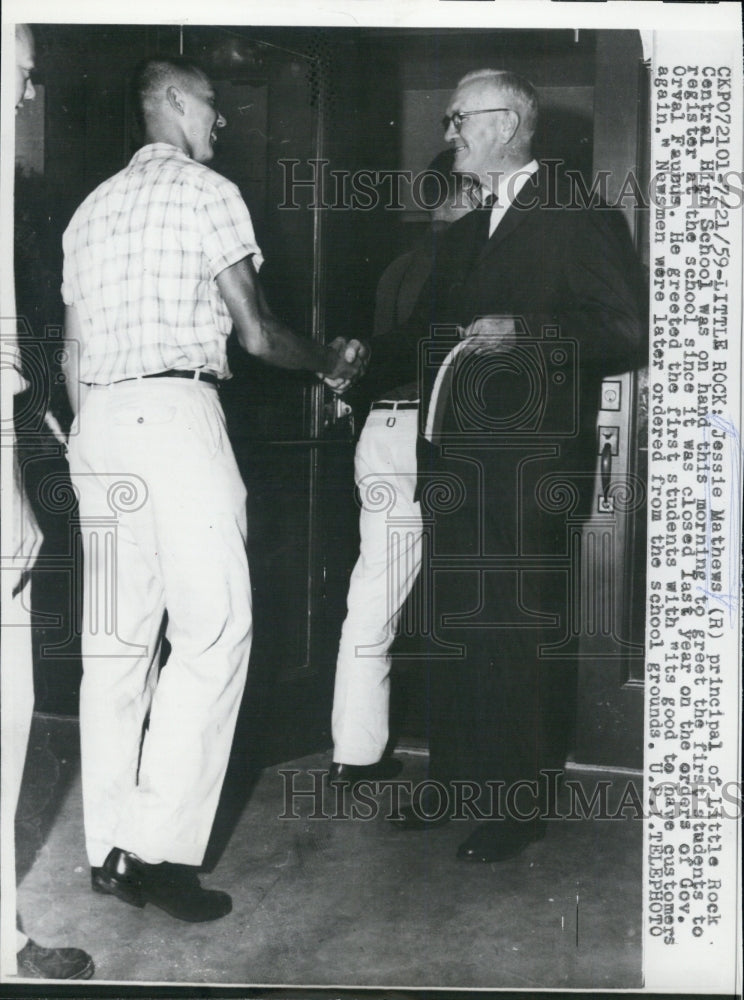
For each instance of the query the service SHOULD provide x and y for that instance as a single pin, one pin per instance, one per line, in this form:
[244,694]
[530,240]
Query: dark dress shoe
[35,962]
[352,774]
[175,889]
[499,841]
[121,875]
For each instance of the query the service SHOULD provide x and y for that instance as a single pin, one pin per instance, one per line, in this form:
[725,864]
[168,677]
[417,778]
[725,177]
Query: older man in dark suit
[533,300]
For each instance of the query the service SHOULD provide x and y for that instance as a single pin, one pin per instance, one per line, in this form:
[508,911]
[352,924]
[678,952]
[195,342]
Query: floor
[337,901]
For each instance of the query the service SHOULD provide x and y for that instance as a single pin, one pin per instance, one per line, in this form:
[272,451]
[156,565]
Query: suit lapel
[465,240]
[466,243]
[527,200]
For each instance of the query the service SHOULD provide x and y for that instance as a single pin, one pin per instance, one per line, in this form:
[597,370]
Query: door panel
[612,572]
[298,484]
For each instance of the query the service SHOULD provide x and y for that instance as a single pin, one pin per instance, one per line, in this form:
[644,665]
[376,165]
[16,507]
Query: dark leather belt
[390,405]
[195,376]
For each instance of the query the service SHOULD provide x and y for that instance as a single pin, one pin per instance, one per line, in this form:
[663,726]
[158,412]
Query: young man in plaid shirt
[160,262]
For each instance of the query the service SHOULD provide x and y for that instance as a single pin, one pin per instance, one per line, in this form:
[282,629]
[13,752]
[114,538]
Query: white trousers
[162,509]
[388,564]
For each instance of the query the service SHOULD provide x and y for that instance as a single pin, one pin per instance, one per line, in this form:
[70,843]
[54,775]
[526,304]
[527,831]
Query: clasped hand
[352,357]
[488,334]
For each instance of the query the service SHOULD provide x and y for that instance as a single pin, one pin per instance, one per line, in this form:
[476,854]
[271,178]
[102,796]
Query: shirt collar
[157,150]
[511,184]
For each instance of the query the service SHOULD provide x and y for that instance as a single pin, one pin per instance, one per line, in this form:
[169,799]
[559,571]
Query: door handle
[609,445]
[338,420]
[605,469]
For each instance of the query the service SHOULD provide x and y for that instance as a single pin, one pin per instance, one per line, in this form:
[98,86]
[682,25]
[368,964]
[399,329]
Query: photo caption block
[693,793]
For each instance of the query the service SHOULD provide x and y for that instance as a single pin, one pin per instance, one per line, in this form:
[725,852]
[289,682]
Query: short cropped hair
[515,86]
[152,75]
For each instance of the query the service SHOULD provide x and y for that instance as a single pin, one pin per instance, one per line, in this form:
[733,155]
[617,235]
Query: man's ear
[510,126]
[174,97]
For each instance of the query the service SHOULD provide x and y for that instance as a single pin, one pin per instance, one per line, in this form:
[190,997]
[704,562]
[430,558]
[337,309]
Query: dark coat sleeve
[604,306]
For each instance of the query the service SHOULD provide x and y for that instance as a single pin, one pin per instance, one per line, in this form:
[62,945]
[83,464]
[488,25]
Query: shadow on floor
[323,899]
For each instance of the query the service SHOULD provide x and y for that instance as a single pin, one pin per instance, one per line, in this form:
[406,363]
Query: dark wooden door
[297,471]
[611,572]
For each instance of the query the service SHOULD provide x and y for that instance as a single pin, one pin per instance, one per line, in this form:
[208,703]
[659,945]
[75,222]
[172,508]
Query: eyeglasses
[459,116]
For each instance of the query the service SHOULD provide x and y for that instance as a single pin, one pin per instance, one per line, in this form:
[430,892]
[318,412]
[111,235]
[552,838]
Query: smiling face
[25,63]
[481,144]
[201,119]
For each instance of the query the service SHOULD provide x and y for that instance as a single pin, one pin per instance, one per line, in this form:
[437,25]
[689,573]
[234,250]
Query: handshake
[347,363]
[489,335]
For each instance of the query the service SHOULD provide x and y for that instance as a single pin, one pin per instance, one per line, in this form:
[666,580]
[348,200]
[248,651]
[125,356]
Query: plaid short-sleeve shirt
[141,255]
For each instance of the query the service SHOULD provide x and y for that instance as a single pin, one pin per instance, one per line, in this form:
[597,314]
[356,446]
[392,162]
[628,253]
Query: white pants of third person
[162,509]
[388,564]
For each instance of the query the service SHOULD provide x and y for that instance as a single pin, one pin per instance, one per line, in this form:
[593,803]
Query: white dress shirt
[509,187]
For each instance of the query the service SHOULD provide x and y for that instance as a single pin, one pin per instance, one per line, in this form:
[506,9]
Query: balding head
[25,56]
[489,122]
[516,91]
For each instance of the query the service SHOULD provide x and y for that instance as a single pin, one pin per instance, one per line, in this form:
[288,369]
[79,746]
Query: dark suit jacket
[548,262]
[565,273]
[512,472]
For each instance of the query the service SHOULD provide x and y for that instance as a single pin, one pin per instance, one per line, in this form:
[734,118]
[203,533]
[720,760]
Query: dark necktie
[480,197]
